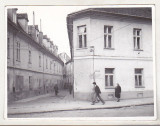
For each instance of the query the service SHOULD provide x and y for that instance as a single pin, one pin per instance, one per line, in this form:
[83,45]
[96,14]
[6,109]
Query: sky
[53,22]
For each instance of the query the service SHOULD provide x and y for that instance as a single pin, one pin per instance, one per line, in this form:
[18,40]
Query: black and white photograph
[80,61]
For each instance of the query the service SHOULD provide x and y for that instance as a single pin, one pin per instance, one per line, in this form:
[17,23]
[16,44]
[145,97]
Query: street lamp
[92,50]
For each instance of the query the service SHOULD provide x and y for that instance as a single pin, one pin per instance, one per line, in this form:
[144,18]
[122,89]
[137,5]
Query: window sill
[109,48]
[139,87]
[138,49]
[109,87]
[18,61]
[81,48]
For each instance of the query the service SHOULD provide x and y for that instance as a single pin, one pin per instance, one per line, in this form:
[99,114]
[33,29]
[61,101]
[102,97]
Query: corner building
[109,46]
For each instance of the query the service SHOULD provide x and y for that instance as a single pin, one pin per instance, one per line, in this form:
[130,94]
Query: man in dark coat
[56,89]
[70,88]
[118,92]
[98,91]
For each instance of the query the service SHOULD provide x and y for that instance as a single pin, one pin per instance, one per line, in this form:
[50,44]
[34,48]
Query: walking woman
[118,92]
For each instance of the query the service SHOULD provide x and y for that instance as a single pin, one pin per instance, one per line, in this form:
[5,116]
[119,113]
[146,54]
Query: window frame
[46,63]
[30,82]
[8,48]
[109,75]
[137,75]
[137,47]
[39,60]
[84,39]
[106,42]
[50,65]
[29,57]
[18,51]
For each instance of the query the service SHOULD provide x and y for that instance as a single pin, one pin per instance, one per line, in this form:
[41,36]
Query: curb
[77,109]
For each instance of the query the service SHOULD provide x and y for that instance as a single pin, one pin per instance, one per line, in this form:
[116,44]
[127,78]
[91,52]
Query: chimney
[40,37]
[45,40]
[55,49]
[40,26]
[23,21]
[12,14]
[33,19]
[33,30]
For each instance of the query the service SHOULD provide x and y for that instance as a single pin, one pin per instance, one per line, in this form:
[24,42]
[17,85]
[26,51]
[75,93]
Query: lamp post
[92,50]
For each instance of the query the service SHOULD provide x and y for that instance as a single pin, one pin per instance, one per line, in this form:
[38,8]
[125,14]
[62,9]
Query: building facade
[33,65]
[67,70]
[109,46]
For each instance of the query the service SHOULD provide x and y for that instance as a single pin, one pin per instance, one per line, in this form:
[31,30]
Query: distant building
[109,46]
[33,66]
[67,70]
[69,74]
[64,57]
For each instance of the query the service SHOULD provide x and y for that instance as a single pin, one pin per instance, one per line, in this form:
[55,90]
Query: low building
[33,67]
[109,46]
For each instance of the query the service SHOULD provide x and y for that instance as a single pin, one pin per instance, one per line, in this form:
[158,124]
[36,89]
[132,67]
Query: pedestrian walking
[70,88]
[93,95]
[98,92]
[118,92]
[56,89]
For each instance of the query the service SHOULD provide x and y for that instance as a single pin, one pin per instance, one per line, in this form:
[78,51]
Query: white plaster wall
[123,74]
[123,57]
[122,36]
[82,75]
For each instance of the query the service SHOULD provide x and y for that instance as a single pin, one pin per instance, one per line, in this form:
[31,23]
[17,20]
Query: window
[29,61]
[108,37]
[137,39]
[54,67]
[138,77]
[8,82]
[46,64]
[39,60]
[82,36]
[39,83]
[109,77]
[8,48]
[18,51]
[50,65]
[30,82]
[19,83]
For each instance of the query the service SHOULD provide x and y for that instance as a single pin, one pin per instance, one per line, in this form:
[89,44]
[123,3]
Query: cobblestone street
[64,105]
[133,111]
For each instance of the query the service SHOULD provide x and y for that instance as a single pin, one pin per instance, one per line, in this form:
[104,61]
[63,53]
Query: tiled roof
[137,12]
[45,37]
[36,27]
[22,16]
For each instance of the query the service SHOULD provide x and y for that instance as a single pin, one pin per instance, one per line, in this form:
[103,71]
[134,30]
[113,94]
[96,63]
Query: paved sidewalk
[63,102]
